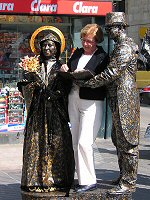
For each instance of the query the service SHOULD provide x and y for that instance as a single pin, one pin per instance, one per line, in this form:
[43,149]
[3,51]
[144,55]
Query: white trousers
[85,118]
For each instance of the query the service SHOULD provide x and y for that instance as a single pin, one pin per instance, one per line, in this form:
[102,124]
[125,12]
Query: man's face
[113,31]
[49,48]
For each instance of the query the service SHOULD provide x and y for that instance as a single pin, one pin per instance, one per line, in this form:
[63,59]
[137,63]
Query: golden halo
[43,28]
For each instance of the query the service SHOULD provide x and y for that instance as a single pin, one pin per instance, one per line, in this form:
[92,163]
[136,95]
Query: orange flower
[30,64]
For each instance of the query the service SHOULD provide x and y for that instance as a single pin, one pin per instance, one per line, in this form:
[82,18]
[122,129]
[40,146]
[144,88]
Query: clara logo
[79,7]
[36,6]
[7,6]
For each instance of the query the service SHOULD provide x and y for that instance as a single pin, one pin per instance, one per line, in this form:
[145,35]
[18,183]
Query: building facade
[138,15]
[18,21]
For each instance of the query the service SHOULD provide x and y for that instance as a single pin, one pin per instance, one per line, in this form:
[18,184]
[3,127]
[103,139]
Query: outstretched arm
[118,63]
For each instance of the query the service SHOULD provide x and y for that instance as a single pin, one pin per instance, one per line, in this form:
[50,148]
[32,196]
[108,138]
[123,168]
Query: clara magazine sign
[60,7]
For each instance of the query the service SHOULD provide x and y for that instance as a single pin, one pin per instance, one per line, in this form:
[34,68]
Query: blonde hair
[93,29]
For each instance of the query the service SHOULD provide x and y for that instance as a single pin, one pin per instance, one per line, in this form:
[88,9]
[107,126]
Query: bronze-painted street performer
[120,78]
[48,158]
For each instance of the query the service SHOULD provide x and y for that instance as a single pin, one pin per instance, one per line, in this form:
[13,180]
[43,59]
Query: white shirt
[83,61]
[44,73]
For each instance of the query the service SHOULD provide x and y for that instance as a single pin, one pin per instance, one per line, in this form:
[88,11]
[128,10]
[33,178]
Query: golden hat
[115,18]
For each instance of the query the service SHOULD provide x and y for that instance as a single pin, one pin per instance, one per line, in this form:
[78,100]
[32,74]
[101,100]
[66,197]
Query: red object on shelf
[11,108]
[4,107]
[146,89]
[15,108]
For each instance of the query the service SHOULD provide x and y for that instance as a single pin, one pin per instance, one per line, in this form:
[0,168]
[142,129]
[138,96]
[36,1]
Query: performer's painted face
[113,31]
[49,48]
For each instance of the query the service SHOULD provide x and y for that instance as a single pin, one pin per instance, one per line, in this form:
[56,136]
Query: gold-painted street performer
[120,78]
[48,158]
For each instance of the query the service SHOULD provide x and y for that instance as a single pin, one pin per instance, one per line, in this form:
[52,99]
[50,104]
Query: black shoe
[121,189]
[115,182]
[77,186]
[85,188]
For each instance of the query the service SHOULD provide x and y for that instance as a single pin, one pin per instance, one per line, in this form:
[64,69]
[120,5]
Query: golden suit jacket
[120,78]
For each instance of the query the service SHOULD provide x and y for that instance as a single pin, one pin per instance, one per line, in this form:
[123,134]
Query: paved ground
[105,164]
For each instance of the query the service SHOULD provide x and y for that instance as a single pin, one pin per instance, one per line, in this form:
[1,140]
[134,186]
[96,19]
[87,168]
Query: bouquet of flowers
[30,64]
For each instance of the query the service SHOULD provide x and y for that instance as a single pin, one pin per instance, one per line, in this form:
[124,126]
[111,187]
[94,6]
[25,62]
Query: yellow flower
[30,64]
